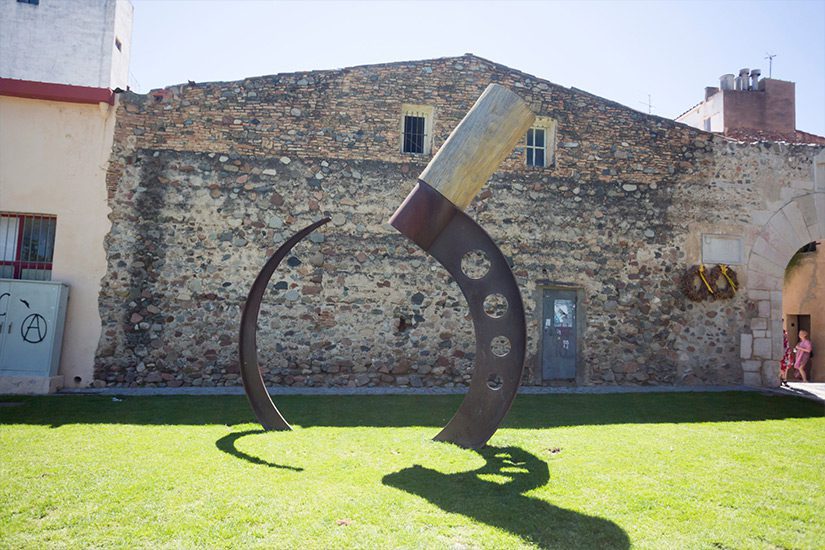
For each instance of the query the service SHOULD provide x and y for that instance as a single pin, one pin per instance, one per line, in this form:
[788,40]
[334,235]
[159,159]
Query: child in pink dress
[803,352]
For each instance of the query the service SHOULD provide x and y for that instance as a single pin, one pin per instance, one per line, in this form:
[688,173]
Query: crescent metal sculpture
[253,381]
[432,216]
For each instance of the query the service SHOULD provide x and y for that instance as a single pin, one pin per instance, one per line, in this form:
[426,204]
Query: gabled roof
[494,66]
[742,135]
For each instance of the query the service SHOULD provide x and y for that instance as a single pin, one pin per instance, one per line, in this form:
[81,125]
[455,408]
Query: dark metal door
[559,335]
[804,323]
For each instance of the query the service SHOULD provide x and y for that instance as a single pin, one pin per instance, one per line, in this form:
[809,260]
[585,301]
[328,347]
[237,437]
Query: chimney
[755,74]
[772,111]
[726,81]
[742,80]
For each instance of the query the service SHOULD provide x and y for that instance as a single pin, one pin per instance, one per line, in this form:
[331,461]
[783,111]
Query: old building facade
[601,209]
[57,121]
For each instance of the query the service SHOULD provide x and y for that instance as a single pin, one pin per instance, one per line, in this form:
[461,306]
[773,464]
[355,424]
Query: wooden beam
[478,145]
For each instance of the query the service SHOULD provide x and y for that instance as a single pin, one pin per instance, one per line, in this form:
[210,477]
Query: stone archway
[799,221]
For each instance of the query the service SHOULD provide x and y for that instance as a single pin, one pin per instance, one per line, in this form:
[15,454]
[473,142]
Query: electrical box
[32,316]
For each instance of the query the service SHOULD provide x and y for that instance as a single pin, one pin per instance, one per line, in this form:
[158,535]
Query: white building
[77,42]
[59,64]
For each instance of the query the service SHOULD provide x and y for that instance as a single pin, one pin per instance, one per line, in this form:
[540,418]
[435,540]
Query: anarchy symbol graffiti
[4,298]
[34,327]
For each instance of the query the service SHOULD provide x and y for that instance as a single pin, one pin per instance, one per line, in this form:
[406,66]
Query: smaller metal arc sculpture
[253,381]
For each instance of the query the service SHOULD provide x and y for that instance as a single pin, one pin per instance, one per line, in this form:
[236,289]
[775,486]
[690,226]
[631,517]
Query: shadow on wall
[528,412]
[504,505]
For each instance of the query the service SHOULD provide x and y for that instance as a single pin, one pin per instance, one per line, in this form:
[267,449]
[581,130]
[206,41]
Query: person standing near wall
[787,359]
[803,351]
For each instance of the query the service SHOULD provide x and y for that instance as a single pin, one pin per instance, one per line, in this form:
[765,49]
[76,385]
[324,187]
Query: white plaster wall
[66,41]
[53,160]
[122,30]
[713,108]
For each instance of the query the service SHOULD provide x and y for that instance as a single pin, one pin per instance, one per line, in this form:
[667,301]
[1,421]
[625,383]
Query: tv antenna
[649,105]
[769,57]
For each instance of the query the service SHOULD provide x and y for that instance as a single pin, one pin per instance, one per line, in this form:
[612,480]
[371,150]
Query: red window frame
[19,263]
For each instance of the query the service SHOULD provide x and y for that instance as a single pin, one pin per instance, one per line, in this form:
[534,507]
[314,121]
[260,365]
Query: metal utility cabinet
[32,315]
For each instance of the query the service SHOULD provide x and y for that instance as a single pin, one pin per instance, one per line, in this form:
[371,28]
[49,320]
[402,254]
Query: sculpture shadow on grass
[505,506]
[227,445]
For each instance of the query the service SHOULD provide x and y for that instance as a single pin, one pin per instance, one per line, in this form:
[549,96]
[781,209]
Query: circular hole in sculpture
[475,264]
[500,346]
[77,380]
[494,382]
[495,305]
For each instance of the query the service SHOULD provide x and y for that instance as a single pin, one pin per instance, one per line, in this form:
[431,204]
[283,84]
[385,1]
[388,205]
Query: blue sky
[623,51]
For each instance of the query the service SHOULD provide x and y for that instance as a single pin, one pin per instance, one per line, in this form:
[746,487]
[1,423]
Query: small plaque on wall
[722,249]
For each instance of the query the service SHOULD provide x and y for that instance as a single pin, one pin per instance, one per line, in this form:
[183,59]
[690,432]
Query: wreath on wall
[724,282]
[694,283]
[699,283]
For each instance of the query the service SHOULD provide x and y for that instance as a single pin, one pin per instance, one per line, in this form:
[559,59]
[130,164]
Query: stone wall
[207,180]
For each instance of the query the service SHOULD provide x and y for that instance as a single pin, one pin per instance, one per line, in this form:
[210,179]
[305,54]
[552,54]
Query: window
[414,134]
[536,147]
[118,44]
[26,246]
[707,124]
[416,129]
[32,2]
[541,143]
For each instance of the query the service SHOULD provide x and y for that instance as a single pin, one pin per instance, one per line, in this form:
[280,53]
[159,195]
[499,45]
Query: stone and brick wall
[207,180]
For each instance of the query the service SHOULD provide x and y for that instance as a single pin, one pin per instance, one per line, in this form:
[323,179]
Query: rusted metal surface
[448,234]
[423,215]
[253,382]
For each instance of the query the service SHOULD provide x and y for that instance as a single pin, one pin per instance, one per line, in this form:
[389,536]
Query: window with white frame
[26,246]
[416,129]
[540,143]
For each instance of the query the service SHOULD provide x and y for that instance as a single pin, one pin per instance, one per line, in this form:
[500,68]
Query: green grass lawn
[705,470]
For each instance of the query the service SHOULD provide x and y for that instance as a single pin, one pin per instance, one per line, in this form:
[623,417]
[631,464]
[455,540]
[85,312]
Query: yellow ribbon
[702,276]
[725,273]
